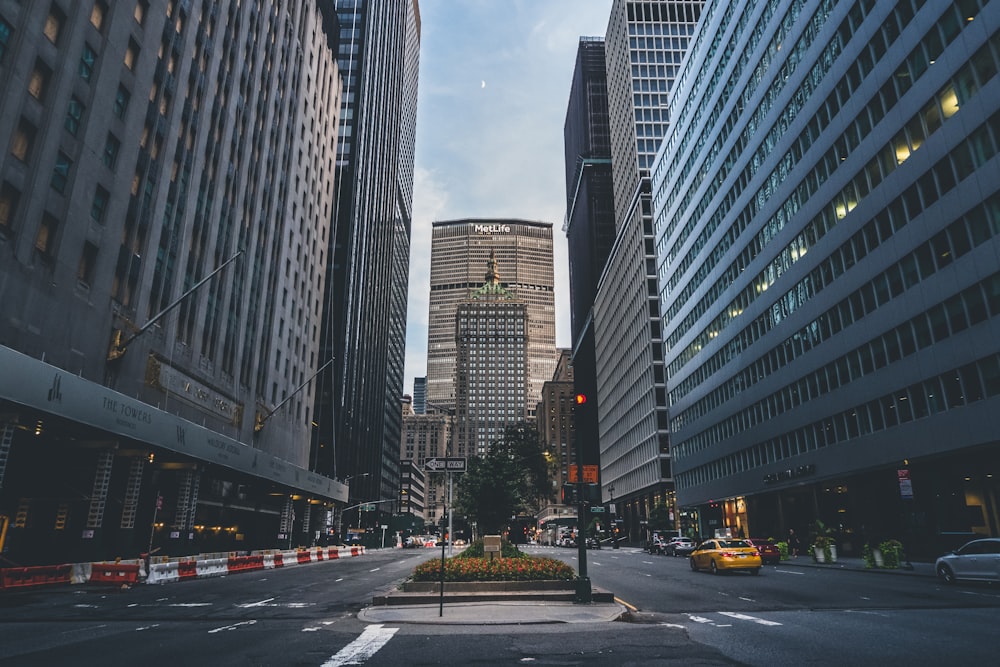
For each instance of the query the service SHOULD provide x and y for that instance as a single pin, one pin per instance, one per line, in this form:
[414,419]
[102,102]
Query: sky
[494,84]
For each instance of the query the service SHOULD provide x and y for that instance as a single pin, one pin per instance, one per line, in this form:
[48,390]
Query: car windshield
[733,544]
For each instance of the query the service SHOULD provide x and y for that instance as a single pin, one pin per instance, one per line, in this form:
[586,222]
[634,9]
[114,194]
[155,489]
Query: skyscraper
[358,420]
[827,207]
[460,250]
[491,364]
[150,147]
[590,222]
[645,43]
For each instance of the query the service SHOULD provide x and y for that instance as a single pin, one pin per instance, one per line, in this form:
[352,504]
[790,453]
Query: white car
[977,560]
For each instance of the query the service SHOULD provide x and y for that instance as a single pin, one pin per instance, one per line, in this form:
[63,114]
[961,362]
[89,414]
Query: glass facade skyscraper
[358,421]
[827,211]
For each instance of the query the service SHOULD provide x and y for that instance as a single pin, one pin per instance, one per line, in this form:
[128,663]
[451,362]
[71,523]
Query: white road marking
[744,617]
[231,627]
[310,629]
[748,599]
[672,625]
[85,606]
[147,627]
[364,647]
[788,572]
[699,619]
[375,570]
[338,580]
[647,574]
[255,604]
[648,562]
[190,604]
[864,598]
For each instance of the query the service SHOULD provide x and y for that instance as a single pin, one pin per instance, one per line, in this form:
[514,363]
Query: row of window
[969,307]
[952,389]
[945,105]
[969,231]
[968,156]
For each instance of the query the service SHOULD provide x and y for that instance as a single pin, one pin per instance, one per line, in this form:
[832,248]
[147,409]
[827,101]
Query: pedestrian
[793,543]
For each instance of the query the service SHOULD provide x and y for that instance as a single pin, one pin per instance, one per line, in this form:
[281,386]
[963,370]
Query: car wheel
[694,565]
[946,574]
[712,567]
[755,571]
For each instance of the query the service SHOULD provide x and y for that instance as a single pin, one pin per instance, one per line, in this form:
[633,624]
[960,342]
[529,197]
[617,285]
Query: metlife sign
[491,229]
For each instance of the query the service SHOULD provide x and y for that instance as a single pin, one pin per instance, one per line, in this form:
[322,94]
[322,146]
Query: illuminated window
[39,80]
[24,137]
[53,25]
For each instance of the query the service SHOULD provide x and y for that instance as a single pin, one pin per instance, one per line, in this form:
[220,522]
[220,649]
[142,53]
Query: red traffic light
[581,399]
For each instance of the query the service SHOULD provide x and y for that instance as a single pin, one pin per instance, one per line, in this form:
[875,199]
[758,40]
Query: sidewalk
[495,613]
[914,569]
[522,612]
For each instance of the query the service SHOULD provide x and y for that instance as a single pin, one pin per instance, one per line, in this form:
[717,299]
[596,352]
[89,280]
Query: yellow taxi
[725,554]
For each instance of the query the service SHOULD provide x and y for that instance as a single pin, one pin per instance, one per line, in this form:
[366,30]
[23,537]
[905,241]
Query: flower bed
[498,569]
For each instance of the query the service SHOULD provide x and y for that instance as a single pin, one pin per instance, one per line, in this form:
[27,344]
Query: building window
[60,173]
[121,102]
[6,30]
[88,260]
[100,204]
[98,14]
[141,8]
[9,197]
[131,54]
[73,116]
[87,60]
[24,138]
[46,239]
[39,80]
[111,147]
[53,24]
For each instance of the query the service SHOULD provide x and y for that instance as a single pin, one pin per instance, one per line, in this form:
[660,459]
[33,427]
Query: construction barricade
[114,573]
[42,575]
[211,567]
[245,563]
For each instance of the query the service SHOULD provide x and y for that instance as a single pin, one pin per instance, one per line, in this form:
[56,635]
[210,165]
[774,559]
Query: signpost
[446,464]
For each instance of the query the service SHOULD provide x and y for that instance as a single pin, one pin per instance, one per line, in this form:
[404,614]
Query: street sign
[446,464]
[597,508]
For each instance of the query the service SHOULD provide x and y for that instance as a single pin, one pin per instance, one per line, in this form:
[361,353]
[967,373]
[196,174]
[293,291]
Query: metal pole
[451,535]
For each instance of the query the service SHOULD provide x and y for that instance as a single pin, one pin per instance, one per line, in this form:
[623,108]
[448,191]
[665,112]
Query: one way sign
[445,464]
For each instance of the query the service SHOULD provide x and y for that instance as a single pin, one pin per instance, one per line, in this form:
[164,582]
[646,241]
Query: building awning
[32,383]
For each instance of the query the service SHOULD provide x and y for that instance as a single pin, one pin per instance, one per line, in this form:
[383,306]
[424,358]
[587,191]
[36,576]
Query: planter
[819,553]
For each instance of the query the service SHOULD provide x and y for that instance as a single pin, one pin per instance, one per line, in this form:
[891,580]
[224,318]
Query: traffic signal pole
[583,589]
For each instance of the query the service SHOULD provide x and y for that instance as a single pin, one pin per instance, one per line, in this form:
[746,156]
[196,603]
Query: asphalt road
[793,615]
[307,615]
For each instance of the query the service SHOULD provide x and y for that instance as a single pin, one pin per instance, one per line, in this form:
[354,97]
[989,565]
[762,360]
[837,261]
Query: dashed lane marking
[231,627]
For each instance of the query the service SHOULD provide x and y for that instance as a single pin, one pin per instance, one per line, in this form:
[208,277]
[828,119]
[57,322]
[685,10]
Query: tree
[510,479]
[659,517]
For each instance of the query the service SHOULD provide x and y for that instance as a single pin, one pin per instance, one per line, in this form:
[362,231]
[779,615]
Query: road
[793,615]
[307,615]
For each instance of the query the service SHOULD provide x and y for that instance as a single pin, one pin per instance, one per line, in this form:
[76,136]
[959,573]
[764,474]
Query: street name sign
[446,464]
[596,509]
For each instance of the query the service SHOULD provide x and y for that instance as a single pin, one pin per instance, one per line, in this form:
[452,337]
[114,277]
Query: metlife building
[460,253]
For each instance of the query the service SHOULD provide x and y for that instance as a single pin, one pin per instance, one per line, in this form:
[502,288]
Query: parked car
[679,546]
[725,555]
[978,560]
[770,554]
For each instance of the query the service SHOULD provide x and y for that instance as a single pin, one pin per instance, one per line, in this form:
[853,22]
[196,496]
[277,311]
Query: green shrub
[783,548]
[891,553]
[476,550]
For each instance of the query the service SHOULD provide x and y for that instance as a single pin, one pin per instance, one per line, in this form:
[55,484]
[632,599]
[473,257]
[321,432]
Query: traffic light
[569,495]
[581,399]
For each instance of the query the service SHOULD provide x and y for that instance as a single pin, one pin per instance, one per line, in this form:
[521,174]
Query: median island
[474,576]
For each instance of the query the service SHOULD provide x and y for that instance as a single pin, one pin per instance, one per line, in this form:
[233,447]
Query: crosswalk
[729,616]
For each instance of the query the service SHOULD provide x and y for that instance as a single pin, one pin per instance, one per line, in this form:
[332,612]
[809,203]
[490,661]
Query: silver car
[977,560]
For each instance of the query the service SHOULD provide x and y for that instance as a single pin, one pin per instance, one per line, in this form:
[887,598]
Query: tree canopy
[510,479]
